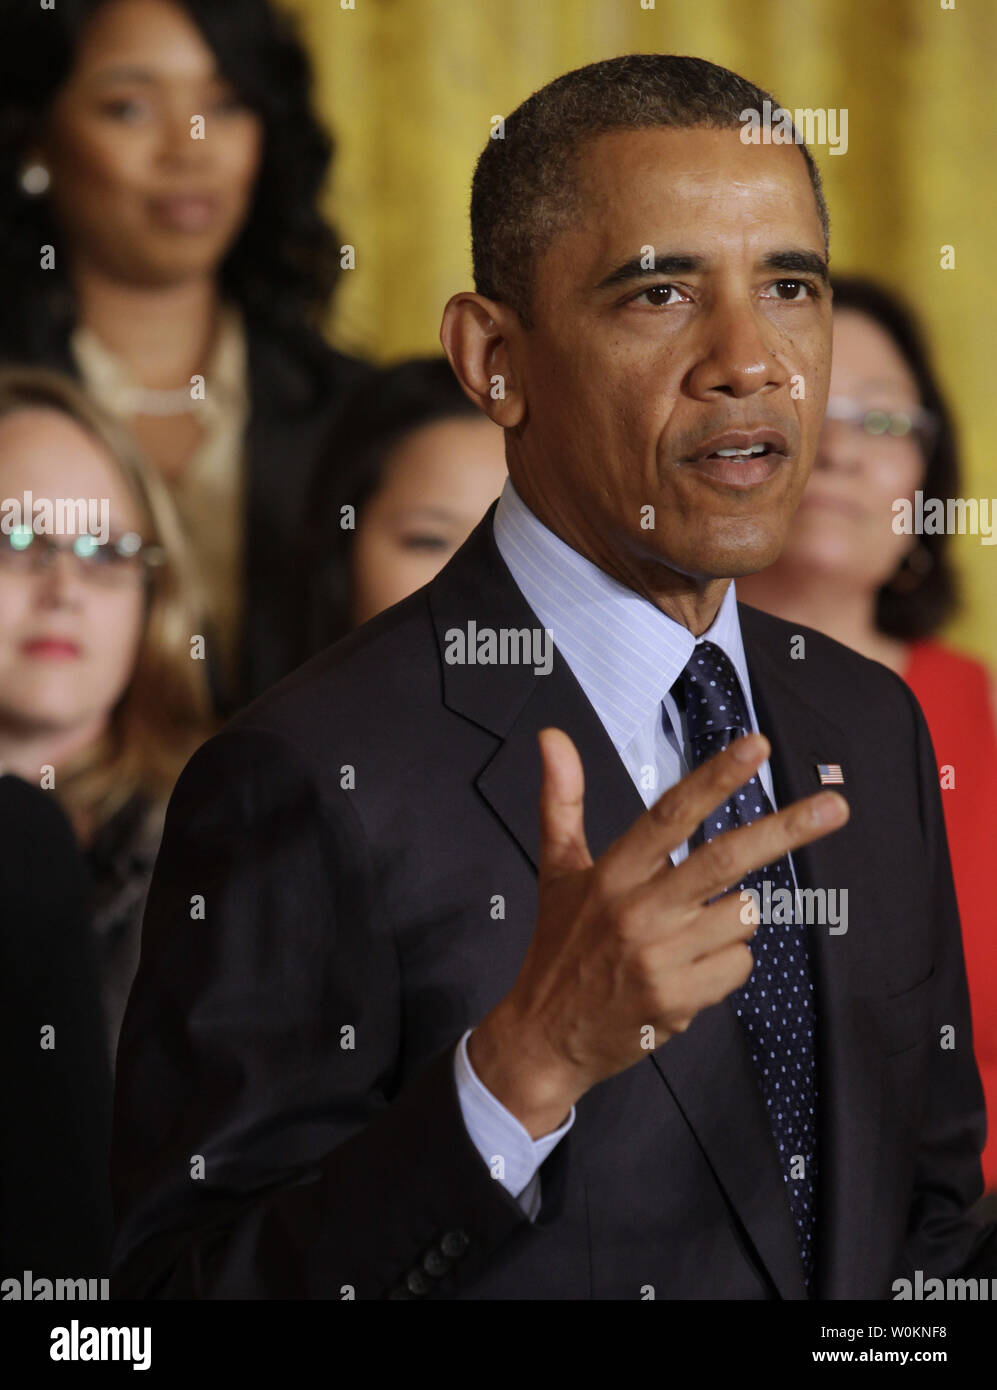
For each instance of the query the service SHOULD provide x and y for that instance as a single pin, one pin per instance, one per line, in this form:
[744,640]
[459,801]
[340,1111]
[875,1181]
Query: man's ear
[475,334]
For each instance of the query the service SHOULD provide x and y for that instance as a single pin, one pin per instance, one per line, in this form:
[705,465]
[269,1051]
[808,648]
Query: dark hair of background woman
[284,265]
[921,612]
[393,403]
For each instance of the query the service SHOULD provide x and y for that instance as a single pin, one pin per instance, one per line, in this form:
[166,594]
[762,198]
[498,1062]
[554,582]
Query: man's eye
[793,288]
[656,295]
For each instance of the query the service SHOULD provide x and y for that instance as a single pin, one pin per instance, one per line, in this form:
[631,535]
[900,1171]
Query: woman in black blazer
[161,240]
[55,1078]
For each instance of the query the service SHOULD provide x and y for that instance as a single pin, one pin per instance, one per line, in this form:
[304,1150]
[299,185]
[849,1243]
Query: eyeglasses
[109,563]
[885,424]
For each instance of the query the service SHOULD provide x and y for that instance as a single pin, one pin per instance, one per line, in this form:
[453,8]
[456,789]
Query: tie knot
[710,693]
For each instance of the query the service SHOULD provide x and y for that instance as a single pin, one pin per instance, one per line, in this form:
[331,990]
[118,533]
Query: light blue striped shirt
[626,655]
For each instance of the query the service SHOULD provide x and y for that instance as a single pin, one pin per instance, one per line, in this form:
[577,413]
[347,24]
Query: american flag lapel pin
[830,774]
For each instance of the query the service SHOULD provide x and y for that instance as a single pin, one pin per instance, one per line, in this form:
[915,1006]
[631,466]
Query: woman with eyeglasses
[847,571]
[103,696]
[162,241]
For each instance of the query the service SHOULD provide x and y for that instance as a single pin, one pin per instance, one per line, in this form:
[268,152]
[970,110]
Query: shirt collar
[624,652]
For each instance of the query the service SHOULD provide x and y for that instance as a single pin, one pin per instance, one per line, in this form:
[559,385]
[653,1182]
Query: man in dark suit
[393,1035]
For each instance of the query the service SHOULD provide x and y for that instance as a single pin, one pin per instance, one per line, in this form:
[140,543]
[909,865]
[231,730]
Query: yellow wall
[410,86]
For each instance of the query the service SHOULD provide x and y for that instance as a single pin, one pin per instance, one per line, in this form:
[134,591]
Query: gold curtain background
[409,88]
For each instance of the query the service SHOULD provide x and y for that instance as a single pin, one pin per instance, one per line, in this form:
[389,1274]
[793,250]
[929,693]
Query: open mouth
[753,452]
[740,462]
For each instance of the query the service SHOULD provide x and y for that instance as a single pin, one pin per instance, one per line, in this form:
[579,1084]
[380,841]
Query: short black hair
[523,186]
[283,267]
[392,403]
[919,612]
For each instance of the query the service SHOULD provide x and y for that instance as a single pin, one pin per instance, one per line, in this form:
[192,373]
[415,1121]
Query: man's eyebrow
[805,262]
[678,263]
[681,263]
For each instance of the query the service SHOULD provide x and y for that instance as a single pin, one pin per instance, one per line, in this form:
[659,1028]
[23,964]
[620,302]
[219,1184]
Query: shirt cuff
[512,1155]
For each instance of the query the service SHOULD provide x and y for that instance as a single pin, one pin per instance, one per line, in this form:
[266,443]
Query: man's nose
[738,357]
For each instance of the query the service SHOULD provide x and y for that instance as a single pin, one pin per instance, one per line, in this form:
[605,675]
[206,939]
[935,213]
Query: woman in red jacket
[852,569]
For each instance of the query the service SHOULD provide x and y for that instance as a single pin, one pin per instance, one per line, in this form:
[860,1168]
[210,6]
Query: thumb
[562,793]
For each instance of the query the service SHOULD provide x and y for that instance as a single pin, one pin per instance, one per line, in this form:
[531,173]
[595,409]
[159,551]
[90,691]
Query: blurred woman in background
[102,699]
[416,468]
[55,1074]
[888,433]
[160,239]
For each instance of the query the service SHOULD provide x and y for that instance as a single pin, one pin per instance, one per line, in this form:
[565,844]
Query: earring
[35,180]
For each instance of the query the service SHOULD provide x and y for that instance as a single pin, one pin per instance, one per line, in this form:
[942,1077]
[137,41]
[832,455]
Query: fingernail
[828,808]
[745,749]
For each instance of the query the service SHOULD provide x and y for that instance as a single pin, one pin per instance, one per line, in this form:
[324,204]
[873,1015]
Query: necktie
[776,1005]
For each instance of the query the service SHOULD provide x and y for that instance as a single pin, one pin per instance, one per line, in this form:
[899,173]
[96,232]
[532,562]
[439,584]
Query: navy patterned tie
[776,1005]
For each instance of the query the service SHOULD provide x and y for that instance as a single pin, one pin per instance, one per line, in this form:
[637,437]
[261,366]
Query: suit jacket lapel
[849,1054]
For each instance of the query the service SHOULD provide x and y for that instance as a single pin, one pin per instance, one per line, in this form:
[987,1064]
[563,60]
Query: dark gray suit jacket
[347,835]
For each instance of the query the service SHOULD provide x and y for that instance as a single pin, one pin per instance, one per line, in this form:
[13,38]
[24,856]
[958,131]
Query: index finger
[737,854]
[645,848]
